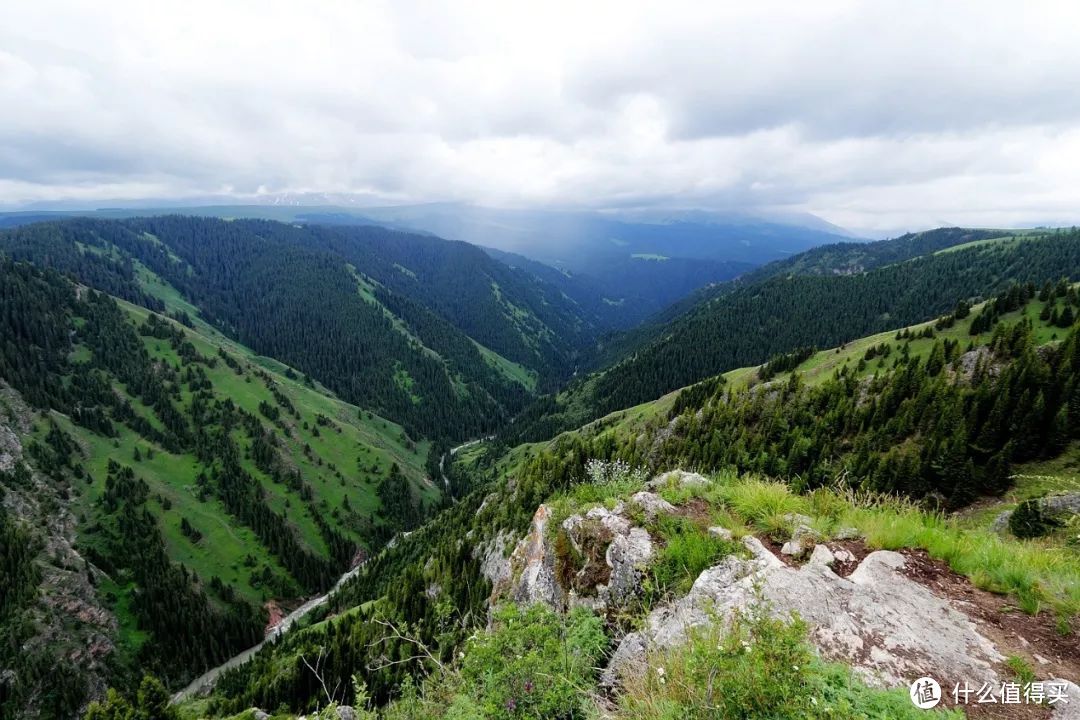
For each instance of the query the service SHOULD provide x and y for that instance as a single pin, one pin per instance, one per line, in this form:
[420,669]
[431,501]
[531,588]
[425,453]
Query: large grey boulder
[1061,506]
[889,628]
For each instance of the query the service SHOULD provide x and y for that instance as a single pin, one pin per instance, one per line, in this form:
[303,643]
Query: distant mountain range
[624,265]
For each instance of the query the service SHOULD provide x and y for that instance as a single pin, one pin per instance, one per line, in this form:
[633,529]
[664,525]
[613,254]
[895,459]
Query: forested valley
[208,422]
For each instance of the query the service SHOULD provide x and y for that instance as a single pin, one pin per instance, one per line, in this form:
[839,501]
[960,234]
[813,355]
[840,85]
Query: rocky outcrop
[887,627]
[1056,507]
[594,559]
[613,553]
[71,626]
[532,578]
[494,563]
[652,504]
[1067,710]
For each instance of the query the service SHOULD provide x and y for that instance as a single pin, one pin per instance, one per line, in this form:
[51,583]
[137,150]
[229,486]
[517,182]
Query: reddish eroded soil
[857,548]
[697,510]
[276,615]
[774,547]
[1014,632]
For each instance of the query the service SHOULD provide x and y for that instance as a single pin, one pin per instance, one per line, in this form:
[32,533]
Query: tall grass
[763,504]
[1036,575]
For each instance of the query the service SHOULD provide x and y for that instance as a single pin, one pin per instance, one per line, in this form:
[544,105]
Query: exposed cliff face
[73,632]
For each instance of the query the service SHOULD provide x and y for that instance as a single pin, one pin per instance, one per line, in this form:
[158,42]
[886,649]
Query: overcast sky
[876,116]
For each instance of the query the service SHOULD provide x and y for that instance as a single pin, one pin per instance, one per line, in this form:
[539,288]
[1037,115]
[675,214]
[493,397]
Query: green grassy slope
[815,370]
[342,453]
[813,305]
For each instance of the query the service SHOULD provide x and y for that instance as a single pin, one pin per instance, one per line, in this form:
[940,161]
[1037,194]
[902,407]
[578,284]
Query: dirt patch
[856,548]
[1014,632]
[275,615]
[774,547]
[696,510]
[986,711]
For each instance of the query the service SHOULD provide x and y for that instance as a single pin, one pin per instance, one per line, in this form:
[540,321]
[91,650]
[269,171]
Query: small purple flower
[511,704]
[528,686]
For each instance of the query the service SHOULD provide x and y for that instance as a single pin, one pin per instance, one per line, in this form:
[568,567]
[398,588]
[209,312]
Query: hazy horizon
[877,118]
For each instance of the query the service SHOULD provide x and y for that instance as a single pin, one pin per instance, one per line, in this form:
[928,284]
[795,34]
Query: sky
[876,116]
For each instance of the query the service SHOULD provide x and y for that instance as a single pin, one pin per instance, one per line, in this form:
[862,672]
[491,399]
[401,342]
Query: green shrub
[1021,669]
[535,664]
[1029,521]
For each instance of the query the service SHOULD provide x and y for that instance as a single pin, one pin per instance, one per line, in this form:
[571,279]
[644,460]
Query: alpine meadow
[462,361]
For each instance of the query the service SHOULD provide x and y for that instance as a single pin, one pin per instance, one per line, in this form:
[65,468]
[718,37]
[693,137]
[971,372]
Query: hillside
[166,478]
[867,445]
[628,289]
[158,475]
[754,321]
[608,254]
[343,306]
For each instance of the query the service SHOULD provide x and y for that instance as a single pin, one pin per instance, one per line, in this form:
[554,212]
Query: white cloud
[875,115]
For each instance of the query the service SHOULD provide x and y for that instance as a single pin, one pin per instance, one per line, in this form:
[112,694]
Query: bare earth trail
[206,681]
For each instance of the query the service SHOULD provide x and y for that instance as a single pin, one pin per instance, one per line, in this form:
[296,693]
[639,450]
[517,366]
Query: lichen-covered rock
[652,504]
[794,520]
[604,536]
[847,533]
[841,555]
[1061,507]
[595,559]
[822,555]
[627,556]
[533,567]
[679,479]
[885,625]
[1056,507]
[721,532]
[10,449]
[794,548]
[802,539]
[494,563]
[1001,522]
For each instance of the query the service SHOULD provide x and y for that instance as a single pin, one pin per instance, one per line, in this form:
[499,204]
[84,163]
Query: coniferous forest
[230,415]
